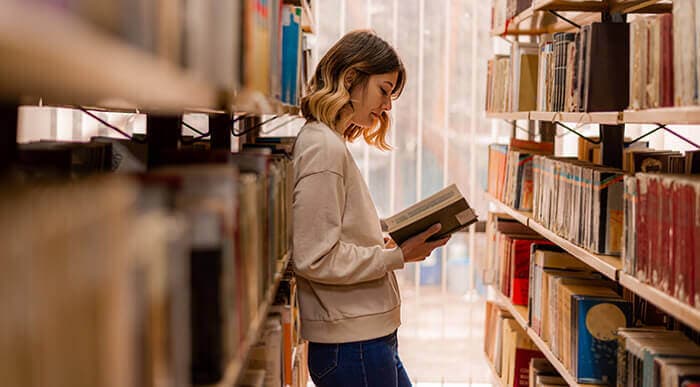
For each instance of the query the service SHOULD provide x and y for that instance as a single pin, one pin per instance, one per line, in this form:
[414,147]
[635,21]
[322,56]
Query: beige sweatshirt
[345,281]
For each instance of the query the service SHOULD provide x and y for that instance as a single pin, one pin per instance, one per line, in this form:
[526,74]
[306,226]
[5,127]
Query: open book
[447,207]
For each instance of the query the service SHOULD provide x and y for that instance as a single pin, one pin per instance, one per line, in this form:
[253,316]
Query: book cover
[447,207]
[595,321]
[667,56]
[291,50]
[521,269]
[607,58]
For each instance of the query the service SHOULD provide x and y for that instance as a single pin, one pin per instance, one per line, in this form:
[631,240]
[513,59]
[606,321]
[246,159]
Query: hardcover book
[447,207]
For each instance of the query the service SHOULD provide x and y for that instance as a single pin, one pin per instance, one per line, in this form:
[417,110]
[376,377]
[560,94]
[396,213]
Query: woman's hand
[417,249]
[389,243]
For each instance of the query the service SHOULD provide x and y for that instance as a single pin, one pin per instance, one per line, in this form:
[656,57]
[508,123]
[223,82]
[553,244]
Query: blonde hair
[366,54]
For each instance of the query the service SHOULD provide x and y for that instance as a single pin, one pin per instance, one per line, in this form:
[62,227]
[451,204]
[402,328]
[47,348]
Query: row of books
[278,358]
[652,60]
[508,348]
[502,11]
[213,234]
[236,44]
[585,321]
[508,252]
[652,357]
[523,176]
[661,243]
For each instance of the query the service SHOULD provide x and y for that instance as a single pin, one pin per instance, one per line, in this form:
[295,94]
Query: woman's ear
[349,78]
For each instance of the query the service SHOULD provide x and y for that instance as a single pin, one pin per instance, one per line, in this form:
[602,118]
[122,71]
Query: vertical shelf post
[247,123]
[548,131]
[8,135]
[612,143]
[162,133]
[220,131]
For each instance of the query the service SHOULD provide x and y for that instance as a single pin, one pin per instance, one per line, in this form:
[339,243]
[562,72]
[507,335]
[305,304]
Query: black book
[607,68]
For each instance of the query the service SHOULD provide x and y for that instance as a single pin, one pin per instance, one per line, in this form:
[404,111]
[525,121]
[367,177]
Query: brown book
[447,207]
[607,59]
[667,60]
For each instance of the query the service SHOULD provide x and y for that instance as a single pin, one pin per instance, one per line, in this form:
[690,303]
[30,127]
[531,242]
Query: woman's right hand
[417,248]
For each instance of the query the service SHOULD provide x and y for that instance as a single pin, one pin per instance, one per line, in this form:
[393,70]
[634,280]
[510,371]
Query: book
[291,51]
[606,57]
[596,321]
[447,207]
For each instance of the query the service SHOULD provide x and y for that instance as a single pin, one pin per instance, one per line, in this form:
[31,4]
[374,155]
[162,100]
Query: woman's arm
[319,254]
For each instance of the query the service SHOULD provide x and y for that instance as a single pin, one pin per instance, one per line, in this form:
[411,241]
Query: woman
[348,295]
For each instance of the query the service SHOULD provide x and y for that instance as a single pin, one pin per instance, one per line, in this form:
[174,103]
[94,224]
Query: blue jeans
[359,364]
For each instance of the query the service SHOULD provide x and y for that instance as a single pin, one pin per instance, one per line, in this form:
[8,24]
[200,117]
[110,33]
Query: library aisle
[441,337]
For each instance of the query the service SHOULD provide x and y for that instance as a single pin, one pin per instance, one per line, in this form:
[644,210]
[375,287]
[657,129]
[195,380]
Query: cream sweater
[345,281]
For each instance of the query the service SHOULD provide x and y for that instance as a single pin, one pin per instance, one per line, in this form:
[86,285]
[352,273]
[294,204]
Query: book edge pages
[395,222]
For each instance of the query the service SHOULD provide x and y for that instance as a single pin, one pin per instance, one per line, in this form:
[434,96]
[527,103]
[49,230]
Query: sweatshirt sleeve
[319,254]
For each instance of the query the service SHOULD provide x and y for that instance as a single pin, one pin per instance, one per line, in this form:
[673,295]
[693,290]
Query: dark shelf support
[8,136]
[249,128]
[548,131]
[220,131]
[612,138]
[162,133]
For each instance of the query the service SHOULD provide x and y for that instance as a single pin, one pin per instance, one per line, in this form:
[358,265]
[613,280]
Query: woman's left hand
[389,243]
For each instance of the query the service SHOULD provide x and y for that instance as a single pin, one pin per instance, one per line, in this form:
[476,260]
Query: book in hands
[447,207]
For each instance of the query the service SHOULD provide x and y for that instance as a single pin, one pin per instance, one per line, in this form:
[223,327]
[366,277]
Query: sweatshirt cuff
[394,259]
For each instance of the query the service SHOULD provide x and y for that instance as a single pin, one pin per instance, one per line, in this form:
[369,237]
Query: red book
[667,60]
[687,265]
[664,247]
[522,366]
[642,225]
[676,272]
[653,229]
[694,240]
[521,269]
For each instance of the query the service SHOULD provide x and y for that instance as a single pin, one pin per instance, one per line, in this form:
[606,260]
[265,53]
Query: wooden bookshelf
[607,118]
[521,216]
[544,348]
[684,115]
[235,368]
[62,59]
[509,116]
[681,311]
[621,6]
[308,20]
[520,314]
[606,265]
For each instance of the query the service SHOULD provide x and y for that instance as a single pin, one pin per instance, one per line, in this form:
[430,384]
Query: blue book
[595,321]
[291,50]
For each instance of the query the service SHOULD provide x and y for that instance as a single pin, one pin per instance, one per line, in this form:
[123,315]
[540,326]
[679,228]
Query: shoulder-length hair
[367,54]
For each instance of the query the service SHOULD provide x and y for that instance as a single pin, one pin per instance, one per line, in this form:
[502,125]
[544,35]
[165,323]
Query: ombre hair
[367,54]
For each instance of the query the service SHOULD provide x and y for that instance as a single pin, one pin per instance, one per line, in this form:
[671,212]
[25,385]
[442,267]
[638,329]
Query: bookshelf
[520,315]
[62,59]
[684,115]
[494,375]
[234,369]
[607,118]
[679,310]
[511,116]
[609,266]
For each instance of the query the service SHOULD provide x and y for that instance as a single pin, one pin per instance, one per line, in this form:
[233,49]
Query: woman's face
[371,100]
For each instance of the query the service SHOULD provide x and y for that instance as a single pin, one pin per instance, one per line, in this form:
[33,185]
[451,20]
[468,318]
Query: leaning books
[447,207]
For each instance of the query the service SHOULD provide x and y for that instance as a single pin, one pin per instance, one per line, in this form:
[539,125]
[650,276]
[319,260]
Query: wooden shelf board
[681,311]
[606,265]
[608,118]
[521,216]
[683,115]
[510,116]
[640,6]
[54,55]
[234,369]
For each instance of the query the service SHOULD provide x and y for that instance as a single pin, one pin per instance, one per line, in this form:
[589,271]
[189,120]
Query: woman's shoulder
[318,147]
